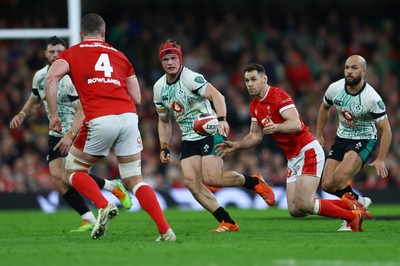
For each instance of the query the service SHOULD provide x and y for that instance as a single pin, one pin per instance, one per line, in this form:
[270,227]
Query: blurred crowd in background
[303,50]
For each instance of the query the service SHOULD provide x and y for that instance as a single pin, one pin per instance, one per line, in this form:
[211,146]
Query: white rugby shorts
[118,132]
[310,161]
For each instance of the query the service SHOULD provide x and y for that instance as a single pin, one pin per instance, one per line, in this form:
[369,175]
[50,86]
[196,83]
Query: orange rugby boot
[226,227]
[264,190]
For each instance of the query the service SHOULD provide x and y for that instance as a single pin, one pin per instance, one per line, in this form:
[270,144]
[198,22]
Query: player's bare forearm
[134,90]
[164,131]
[322,119]
[291,124]
[56,72]
[29,108]
[249,141]
[78,120]
[212,94]
[51,96]
[385,138]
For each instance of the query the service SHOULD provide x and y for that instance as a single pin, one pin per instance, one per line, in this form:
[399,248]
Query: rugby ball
[265,121]
[205,124]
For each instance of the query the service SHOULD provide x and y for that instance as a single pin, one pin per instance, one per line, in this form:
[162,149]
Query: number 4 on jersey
[103,64]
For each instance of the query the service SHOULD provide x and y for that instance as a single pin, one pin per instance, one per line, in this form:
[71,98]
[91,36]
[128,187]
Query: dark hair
[257,67]
[54,40]
[92,24]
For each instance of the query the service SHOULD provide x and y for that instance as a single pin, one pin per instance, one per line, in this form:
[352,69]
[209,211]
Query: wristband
[23,113]
[166,151]
[221,118]
[70,134]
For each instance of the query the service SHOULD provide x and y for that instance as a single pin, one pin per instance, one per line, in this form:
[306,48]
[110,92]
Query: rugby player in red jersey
[109,92]
[273,112]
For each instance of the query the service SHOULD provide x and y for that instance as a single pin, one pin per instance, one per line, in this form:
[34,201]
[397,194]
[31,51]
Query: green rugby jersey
[183,99]
[67,98]
[358,112]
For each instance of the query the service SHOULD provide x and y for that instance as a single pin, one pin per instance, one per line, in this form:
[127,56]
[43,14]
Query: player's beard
[354,82]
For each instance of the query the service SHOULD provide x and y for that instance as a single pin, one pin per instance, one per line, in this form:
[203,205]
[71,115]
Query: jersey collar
[358,92]
[266,93]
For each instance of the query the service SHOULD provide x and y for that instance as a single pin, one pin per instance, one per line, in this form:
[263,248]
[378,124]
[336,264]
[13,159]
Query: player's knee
[189,182]
[130,169]
[56,173]
[304,208]
[328,185]
[192,184]
[340,177]
[58,183]
[294,212]
[74,164]
[214,183]
[292,208]
[215,179]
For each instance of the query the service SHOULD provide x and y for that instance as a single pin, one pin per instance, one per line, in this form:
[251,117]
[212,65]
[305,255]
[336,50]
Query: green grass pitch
[269,237]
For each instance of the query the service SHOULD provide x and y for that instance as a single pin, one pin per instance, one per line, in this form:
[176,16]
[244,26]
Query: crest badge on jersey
[180,93]
[199,80]
[269,110]
[381,104]
[357,109]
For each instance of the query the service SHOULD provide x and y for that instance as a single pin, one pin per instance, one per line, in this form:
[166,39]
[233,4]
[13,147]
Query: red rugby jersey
[272,105]
[99,73]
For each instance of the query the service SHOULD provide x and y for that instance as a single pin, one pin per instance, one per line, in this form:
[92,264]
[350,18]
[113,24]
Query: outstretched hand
[17,120]
[380,168]
[225,147]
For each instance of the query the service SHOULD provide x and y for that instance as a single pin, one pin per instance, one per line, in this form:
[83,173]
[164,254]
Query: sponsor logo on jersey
[177,107]
[95,45]
[348,115]
[337,102]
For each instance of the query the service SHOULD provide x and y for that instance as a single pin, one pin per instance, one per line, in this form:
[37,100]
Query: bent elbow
[298,126]
[138,101]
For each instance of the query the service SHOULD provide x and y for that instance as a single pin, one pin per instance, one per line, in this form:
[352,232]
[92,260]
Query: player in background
[362,116]
[184,94]
[273,112]
[71,115]
[109,92]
